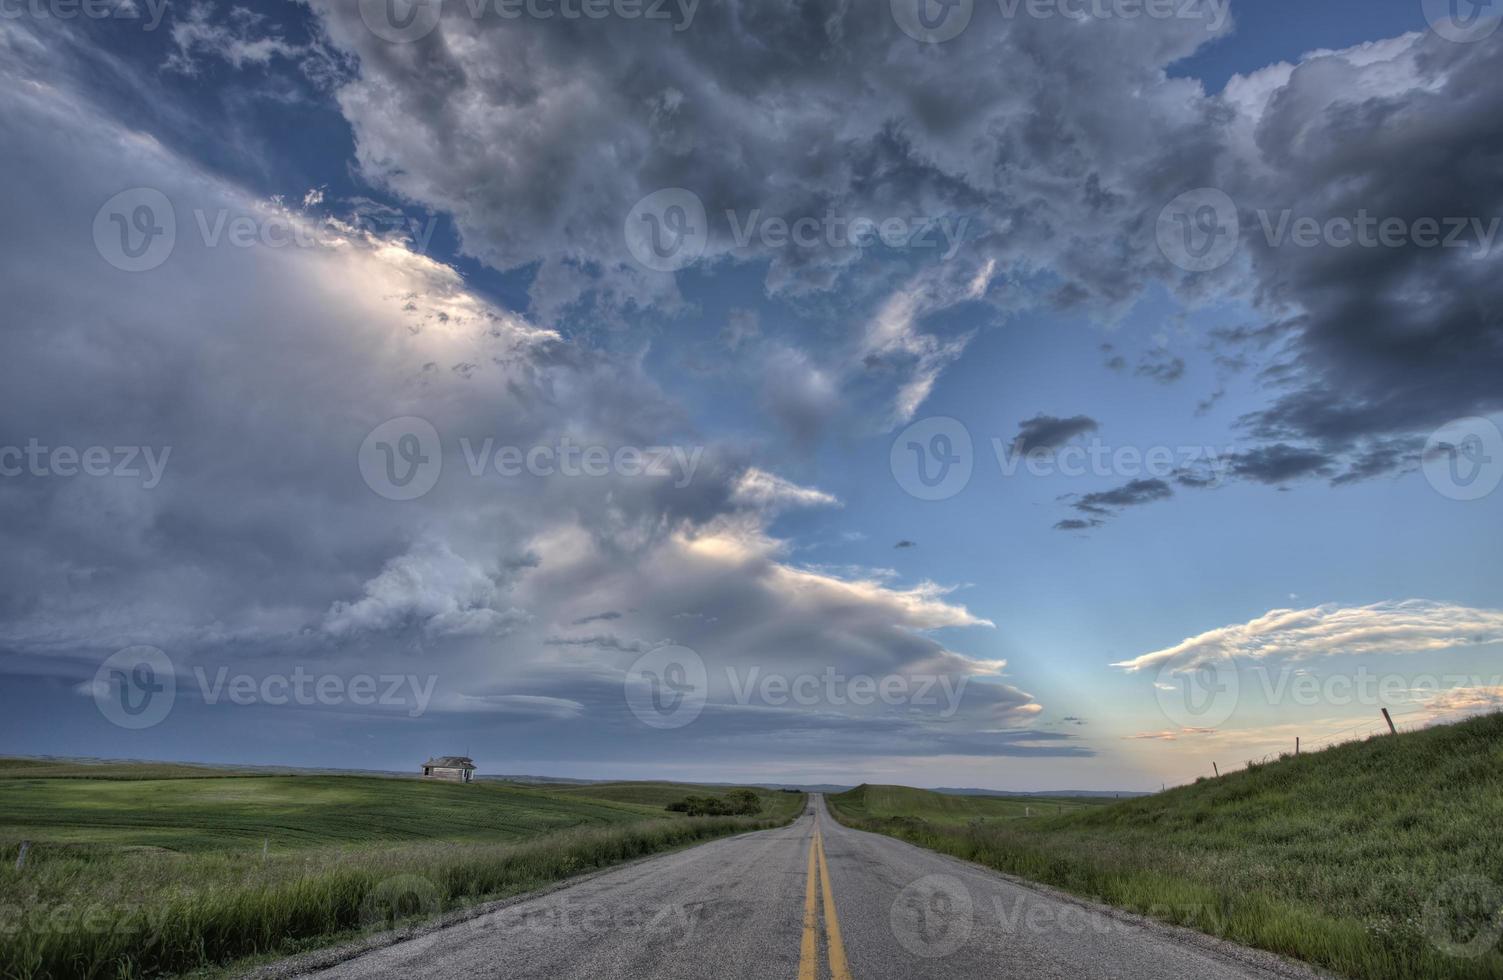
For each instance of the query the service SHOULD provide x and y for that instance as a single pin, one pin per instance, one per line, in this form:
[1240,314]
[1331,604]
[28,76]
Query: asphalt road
[810,901]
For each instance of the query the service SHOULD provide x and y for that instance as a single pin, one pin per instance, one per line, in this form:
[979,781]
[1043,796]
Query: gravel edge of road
[1262,959]
[302,964]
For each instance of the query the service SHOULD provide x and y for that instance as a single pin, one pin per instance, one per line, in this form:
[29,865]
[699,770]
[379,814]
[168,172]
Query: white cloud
[1411,626]
[758,488]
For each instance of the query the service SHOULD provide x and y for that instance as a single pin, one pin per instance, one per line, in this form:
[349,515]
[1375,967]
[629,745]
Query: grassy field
[902,803]
[1381,858]
[658,795]
[186,868]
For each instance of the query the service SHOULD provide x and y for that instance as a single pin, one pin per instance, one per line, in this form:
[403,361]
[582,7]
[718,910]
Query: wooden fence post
[21,857]
[1296,745]
[1389,718]
[1216,769]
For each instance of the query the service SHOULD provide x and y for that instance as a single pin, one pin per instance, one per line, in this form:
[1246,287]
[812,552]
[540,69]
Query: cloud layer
[1383,628]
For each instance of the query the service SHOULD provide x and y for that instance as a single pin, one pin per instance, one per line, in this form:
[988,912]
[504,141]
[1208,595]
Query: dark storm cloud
[826,108]
[1280,463]
[1394,340]
[1044,432]
[1133,494]
[597,618]
[1161,366]
[265,545]
[1369,343]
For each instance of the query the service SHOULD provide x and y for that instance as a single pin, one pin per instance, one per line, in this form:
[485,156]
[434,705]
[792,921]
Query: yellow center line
[838,968]
[808,956]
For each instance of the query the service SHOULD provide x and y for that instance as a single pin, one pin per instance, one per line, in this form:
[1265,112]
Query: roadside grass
[1381,858]
[128,878]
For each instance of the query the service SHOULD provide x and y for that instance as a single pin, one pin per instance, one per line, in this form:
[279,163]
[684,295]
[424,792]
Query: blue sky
[465,195]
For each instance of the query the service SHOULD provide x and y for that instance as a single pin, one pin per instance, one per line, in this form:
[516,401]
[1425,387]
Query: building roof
[450,762]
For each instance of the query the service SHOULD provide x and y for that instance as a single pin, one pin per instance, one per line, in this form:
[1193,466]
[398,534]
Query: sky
[1021,395]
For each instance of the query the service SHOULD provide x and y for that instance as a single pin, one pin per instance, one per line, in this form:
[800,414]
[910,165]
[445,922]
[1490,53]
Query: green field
[182,867]
[900,803]
[657,795]
[1381,858]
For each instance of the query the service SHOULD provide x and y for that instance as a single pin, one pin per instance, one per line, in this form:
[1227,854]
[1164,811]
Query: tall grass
[63,933]
[1375,859]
